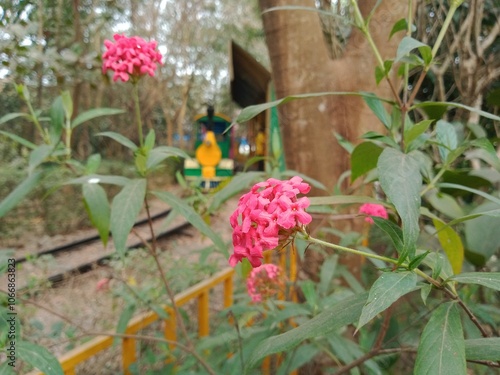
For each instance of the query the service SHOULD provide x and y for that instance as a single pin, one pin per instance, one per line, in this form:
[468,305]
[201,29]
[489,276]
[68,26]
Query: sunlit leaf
[451,243]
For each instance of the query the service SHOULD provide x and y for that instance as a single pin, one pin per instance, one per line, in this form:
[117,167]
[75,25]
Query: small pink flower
[373,209]
[102,284]
[264,282]
[130,56]
[267,216]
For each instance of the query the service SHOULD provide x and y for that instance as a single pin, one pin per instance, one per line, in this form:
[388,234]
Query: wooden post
[203,323]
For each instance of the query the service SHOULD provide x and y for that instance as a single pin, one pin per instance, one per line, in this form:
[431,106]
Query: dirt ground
[187,259]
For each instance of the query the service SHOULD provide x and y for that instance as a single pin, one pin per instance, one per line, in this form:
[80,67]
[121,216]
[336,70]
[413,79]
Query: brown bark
[301,64]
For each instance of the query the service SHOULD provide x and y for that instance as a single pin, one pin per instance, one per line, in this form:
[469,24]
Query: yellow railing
[200,291]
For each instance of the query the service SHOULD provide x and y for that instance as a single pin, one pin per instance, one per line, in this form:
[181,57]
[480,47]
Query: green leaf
[487,279]
[442,348]
[392,230]
[56,120]
[237,184]
[378,109]
[120,139]
[125,208]
[346,145]
[400,178]
[125,316]
[158,154]
[447,137]
[309,291]
[326,274]
[193,217]
[400,25]
[445,204]
[364,158]
[442,107]
[481,234]
[97,205]
[93,163]
[489,197]
[19,140]
[380,138]
[252,111]
[38,156]
[344,199]
[149,142]
[416,130]
[19,193]
[12,116]
[341,314]
[6,369]
[67,103]
[386,290]
[380,73]
[39,357]
[101,179]
[408,44]
[93,113]
[483,349]
[451,243]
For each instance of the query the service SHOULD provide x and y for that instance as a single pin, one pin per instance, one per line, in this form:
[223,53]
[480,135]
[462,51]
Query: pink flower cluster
[264,282]
[130,57]
[372,209]
[267,216]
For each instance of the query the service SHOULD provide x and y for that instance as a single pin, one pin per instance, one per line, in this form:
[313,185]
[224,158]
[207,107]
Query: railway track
[84,254]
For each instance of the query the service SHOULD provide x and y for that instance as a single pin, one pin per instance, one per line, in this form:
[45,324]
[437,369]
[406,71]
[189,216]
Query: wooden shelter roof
[249,78]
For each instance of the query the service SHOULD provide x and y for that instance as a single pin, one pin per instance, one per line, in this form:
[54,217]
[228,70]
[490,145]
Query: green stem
[69,131]
[348,250]
[138,113]
[360,22]
[432,184]
[37,123]
[453,7]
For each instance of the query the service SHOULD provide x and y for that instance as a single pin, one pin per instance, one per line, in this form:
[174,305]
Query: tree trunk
[301,64]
